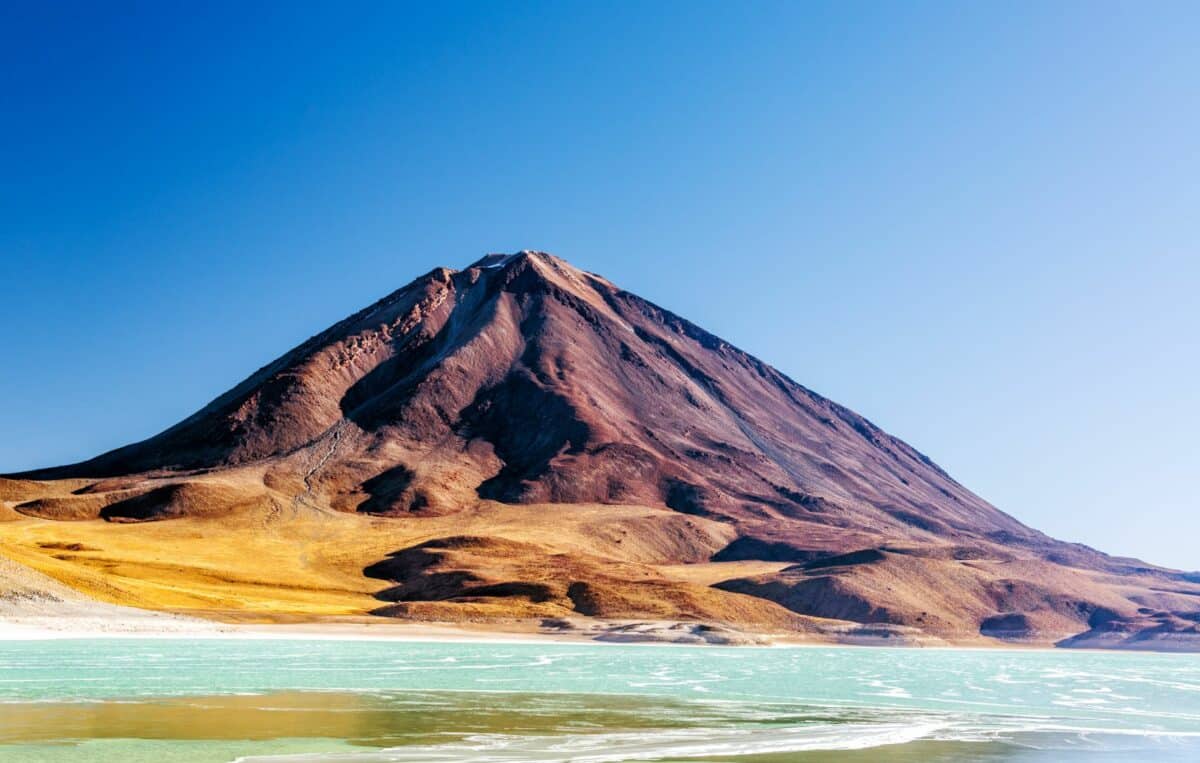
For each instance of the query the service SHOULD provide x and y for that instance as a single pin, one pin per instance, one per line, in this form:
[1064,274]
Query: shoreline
[315,631]
[147,625]
[446,633]
[181,627]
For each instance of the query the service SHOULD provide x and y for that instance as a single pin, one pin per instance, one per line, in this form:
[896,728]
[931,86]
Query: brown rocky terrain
[522,439]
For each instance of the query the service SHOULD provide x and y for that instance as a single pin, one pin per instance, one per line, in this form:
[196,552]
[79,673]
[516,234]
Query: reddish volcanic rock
[540,383]
[524,380]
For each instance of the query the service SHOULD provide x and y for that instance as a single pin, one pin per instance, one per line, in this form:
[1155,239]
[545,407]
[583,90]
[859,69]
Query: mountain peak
[531,381]
[530,271]
[503,259]
[523,380]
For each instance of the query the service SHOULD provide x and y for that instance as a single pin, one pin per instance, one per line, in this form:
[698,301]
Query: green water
[362,702]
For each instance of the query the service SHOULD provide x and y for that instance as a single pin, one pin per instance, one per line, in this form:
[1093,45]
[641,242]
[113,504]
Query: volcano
[556,447]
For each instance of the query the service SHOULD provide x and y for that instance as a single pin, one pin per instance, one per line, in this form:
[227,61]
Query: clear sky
[975,223]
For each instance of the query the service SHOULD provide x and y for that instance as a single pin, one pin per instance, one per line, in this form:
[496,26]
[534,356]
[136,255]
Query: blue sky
[976,223]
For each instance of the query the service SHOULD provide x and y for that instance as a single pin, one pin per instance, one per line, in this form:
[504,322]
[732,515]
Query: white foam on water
[657,744]
[631,746]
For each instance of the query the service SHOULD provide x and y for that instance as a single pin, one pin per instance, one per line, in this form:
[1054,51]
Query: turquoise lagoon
[217,700]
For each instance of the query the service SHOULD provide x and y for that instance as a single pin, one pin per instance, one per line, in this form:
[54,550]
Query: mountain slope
[522,380]
[624,402]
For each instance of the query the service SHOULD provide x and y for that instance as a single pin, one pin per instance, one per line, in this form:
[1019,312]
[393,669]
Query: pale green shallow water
[363,702]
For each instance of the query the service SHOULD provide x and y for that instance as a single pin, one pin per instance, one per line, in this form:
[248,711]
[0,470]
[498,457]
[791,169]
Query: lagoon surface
[217,700]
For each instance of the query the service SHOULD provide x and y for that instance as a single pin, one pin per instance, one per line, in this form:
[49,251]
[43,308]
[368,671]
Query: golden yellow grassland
[299,562]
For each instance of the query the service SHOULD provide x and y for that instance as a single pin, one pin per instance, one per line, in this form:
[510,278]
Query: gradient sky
[975,223]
